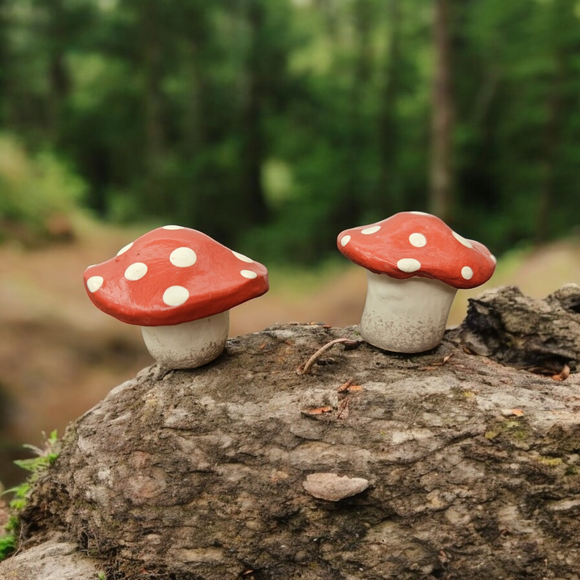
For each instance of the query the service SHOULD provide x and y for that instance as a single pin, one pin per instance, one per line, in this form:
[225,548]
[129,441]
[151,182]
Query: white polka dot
[249,274]
[125,248]
[462,240]
[493,258]
[371,230]
[172,227]
[418,240]
[136,271]
[175,295]
[242,257]
[408,265]
[183,257]
[94,283]
[467,272]
[345,240]
[420,213]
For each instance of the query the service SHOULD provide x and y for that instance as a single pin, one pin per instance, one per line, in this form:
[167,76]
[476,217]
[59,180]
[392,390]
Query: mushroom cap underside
[411,244]
[173,275]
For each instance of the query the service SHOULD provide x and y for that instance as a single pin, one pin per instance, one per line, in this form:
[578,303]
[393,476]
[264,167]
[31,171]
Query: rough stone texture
[521,331]
[474,468]
[54,559]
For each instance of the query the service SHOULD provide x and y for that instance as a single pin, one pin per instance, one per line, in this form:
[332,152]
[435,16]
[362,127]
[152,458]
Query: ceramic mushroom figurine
[416,264]
[178,284]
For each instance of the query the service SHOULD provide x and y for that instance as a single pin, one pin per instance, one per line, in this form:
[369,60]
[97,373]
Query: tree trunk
[59,82]
[550,151]
[254,206]
[155,140]
[356,185]
[4,64]
[367,466]
[196,114]
[387,127]
[441,178]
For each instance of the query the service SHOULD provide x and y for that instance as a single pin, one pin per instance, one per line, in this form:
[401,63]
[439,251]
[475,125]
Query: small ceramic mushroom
[178,284]
[415,265]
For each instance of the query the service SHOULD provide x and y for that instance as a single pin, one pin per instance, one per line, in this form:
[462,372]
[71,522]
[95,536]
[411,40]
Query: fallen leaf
[355,388]
[317,410]
[510,412]
[564,374]
[446,358]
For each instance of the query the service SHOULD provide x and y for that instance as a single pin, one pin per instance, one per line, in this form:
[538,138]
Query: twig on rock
[343,411]
[345,386]
[306,368]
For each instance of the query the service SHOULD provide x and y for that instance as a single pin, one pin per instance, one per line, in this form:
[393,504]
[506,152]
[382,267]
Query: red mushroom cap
[173,275]
[418,244]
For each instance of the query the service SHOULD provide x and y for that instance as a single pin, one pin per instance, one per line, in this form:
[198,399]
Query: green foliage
[35,188]
[7,544]
[35,466]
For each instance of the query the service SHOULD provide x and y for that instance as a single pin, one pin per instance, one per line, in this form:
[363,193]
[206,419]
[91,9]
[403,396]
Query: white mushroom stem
[190,344]
[405,315]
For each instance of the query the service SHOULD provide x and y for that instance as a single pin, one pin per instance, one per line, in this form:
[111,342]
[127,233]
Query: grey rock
[53,559]
[198,475]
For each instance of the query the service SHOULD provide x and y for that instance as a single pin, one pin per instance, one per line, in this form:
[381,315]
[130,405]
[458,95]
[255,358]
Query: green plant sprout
[45,457]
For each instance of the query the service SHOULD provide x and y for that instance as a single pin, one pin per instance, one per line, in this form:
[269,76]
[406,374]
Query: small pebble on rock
[332,487]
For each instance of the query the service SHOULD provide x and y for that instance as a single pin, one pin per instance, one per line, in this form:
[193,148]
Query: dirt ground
[59,355]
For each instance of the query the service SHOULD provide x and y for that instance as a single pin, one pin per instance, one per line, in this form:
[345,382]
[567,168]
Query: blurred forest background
[270,125]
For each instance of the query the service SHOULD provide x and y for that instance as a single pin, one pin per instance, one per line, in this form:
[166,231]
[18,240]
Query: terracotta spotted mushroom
[178,284]
[416,264]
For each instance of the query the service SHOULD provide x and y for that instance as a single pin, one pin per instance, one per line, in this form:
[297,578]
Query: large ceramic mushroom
[177,284]
[415,264]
